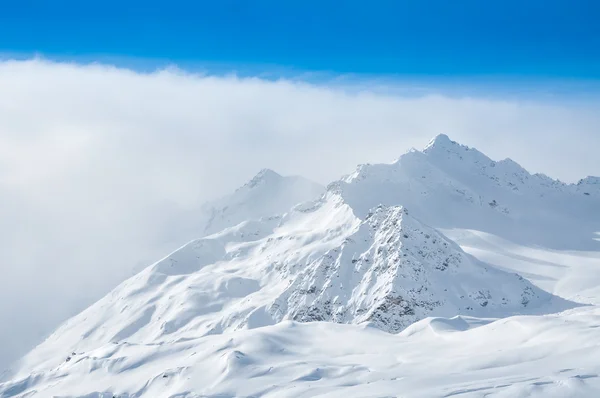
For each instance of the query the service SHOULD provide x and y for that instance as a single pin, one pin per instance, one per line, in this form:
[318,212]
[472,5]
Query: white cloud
[94,161]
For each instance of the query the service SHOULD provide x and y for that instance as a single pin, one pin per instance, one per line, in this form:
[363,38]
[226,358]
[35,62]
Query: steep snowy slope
[394,271]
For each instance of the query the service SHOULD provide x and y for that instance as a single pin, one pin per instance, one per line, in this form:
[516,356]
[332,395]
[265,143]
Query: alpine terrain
[444,273]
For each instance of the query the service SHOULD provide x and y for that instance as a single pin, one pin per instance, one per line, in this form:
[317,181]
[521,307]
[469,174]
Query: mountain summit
[264,176]
[265,194]
[449,185]
[440,141]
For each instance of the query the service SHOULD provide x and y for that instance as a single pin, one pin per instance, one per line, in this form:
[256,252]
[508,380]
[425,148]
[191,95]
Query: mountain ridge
[449,185]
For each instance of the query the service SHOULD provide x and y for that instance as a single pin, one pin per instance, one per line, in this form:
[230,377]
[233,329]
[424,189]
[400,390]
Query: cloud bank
[97,162]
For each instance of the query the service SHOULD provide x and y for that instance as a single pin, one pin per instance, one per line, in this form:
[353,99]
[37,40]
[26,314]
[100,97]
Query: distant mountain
[266,194]
[448,185]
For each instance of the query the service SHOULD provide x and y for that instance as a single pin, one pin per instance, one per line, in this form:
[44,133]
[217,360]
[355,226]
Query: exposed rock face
[394,271]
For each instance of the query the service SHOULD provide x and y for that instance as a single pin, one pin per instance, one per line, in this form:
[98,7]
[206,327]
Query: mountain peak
[264,175]
[267,173]
[439,141]
[589,185]
[267,193]
[394,270]
[589,180]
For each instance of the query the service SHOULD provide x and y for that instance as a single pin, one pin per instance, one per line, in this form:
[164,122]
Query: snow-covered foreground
[502,299]
[524,356]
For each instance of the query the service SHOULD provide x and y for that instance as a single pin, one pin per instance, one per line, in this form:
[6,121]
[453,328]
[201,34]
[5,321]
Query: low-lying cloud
[97,162]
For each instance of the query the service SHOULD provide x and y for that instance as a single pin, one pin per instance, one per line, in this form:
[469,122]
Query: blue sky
[544,39]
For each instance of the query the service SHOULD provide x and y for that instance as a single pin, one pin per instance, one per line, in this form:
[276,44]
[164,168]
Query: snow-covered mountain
[392,271]
[216,317]
[266,194]
[449,185]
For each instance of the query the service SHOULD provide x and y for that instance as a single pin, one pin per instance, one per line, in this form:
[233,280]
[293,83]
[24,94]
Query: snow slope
[567,273]
[216,317]
[523,356]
